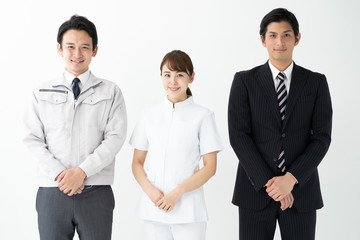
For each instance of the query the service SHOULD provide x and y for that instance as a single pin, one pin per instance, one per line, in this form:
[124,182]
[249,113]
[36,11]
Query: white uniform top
[175,138]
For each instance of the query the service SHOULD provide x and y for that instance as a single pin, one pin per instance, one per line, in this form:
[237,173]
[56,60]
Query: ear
[297,39]
[192,77]
[95,51]
[262,39]
[60,51]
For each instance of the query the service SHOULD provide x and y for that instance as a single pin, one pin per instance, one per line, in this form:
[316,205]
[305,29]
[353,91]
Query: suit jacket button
[274,159]
[283,135]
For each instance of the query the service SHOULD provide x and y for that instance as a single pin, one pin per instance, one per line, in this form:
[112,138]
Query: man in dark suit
[280,119]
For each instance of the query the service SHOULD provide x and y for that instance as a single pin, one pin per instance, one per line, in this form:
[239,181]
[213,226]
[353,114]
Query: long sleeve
[239,124]
[36,142]
[114,137]
[304,166]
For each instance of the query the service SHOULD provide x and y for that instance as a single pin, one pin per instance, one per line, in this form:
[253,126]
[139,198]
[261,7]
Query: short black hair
[279,15]
[77,22]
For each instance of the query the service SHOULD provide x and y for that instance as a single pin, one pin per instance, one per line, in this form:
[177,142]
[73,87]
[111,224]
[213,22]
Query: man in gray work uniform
[75,127]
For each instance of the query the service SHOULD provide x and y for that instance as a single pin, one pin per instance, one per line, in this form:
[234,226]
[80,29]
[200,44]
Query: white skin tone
[175,84]
[77,52]
[280,41]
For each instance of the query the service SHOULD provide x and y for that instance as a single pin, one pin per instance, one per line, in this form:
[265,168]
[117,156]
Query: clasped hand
[71,181]
[165,202]
[279,188]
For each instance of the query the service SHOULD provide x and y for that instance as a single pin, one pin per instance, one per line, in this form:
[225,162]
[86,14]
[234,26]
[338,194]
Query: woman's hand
[154,193]
[168,201]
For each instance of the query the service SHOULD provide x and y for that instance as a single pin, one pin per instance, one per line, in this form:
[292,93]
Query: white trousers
[186,231]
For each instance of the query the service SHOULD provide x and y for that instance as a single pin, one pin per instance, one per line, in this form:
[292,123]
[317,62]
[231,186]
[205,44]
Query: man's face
[77,51]
[280,41]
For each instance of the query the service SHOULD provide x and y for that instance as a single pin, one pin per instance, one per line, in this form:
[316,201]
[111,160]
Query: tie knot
[76,80]
[281,76]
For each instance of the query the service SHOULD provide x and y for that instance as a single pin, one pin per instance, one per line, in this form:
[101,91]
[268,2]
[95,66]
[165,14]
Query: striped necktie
[282,98]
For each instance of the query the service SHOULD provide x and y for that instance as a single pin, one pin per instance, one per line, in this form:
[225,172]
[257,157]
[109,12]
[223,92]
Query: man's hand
[168,202]
[287,202]
[278,187]
[71,181]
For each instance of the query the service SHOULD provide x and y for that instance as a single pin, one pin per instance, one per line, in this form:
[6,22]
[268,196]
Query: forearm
[140,176]
[201,176]
[197,180]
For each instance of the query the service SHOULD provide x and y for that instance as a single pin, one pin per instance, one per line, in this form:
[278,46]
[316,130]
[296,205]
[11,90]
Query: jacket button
[274,159]
[283,135]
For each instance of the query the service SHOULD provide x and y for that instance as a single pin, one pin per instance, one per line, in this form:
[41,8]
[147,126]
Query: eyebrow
[282,32]
[84,44]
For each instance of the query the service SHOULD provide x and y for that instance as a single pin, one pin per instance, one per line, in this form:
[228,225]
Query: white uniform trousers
[162,231]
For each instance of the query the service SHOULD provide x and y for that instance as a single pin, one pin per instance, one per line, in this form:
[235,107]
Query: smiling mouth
[77,61]
[280,50]
[173,89]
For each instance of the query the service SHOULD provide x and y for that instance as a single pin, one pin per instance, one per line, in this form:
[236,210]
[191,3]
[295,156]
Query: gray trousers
[90,213]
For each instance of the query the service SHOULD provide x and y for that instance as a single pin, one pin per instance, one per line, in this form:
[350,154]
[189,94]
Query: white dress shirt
[287,72]
[175,138]
[84,77]
[287,80]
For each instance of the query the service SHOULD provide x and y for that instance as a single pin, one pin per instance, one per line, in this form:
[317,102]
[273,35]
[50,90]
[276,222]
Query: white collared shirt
[175,138]
[287,72]
[84,77]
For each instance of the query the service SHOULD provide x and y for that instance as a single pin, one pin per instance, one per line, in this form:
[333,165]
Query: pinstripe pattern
[257,135]
[260,225]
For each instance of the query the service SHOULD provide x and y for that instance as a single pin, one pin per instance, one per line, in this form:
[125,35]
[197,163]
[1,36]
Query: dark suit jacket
[257,134]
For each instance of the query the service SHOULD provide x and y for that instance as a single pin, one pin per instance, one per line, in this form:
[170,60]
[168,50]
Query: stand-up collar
[184,103]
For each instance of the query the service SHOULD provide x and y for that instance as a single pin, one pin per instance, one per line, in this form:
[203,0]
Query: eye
[272,36]
[287,35]
[70,47]
[166,75]
[180,75]
[85,48]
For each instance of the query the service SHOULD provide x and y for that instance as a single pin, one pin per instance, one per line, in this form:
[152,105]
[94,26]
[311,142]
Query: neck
[281,65]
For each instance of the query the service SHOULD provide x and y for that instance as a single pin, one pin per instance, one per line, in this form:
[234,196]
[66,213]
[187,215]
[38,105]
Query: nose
[280,40]
[77,52]
[173,80]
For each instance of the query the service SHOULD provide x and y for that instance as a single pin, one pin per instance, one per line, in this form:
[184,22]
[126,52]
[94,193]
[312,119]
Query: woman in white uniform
[169,140]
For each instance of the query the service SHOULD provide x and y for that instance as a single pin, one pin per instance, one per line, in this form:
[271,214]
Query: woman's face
[176,84]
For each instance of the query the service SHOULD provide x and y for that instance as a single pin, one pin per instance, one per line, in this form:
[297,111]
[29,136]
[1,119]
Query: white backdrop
[221,37]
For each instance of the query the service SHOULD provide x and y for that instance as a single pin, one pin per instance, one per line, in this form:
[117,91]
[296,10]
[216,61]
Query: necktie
[76,88]
[282,97]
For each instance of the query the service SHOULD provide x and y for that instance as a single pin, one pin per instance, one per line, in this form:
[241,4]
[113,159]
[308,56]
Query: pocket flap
[94,99]
[53,97]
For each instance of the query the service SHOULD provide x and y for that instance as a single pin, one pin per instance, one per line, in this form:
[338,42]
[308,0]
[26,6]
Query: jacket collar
[265,80]
[86,90]
[92,82]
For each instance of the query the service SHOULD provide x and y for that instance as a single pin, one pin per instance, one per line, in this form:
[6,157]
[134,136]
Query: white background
[221,37]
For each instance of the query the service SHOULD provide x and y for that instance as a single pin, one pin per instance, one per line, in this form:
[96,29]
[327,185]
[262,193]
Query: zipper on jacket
[53,90]
[166,149]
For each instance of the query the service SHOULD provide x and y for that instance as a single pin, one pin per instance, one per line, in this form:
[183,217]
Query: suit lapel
[265,80]
[298,81]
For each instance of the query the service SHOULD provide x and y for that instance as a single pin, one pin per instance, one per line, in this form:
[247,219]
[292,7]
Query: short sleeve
[139,138]
[209,136]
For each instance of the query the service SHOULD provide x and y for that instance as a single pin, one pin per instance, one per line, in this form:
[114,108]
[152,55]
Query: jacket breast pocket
[95,110]
[53,107]
[305,98]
